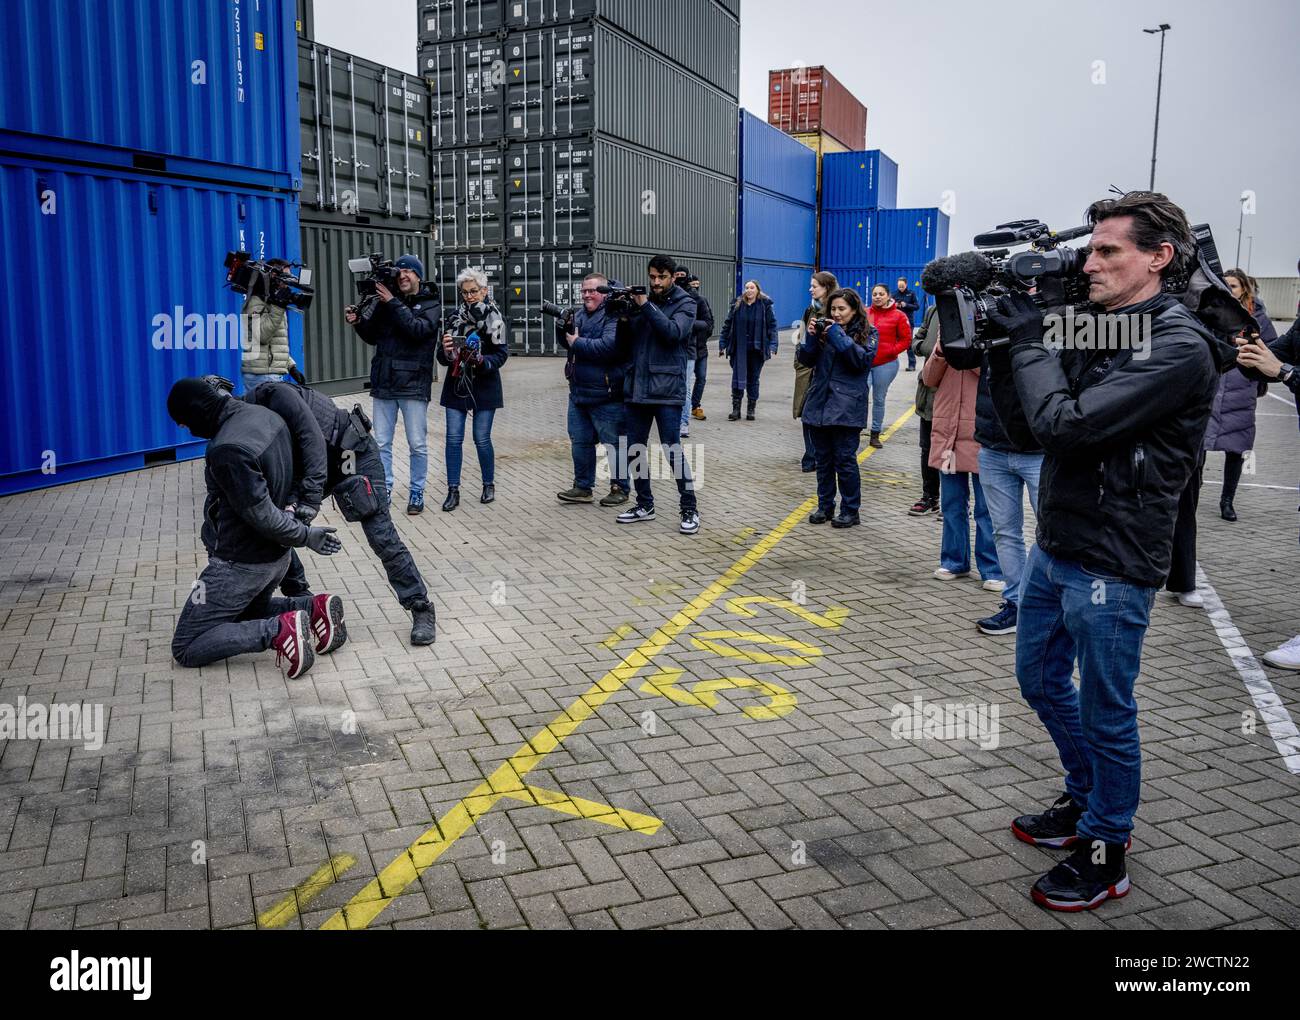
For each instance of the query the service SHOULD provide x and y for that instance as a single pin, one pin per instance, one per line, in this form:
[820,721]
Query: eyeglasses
[471,292]
[590,290]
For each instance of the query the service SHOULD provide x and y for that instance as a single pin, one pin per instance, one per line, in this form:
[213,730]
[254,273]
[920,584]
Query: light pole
[1155,135]
[1241,217]
[1250,248]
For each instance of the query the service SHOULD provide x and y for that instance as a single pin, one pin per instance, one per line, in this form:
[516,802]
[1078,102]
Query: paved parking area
[619,727]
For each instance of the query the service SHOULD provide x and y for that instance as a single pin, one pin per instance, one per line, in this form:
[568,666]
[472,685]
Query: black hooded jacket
[1122,434]
[315,422]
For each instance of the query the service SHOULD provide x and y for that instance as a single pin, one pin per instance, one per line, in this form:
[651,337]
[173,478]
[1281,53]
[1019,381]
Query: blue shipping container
[787,286]
[888,275]
[910,237]
[859,180]
[848,237]
[772,160]
[84,377]
[859,278]
[775,229]
[205,88]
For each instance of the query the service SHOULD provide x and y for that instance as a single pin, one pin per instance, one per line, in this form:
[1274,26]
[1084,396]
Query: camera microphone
[969,269]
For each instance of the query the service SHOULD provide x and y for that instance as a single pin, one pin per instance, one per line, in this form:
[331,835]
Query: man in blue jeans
[403,329]
[654,387]
[1122,431]
[596,412]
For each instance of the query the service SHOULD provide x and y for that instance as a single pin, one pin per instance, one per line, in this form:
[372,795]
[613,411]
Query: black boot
[1091,875]
[453,498]
[1226,510]
[735,409]
[489,493]
[424,623]
[749,414]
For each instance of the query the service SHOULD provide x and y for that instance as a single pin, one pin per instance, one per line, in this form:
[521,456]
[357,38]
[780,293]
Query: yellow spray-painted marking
[619,818]
[664,683]
[620,632]
[370,902]
[303,893]
[744,536]
[832,618]
[779,701]
[710,641]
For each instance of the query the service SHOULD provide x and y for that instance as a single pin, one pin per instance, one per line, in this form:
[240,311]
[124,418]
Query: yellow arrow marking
[833,617]
[619,818]
[709,642]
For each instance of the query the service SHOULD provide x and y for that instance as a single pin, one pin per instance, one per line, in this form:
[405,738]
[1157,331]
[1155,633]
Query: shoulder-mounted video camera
[618,300]
[272,280]
[374,270]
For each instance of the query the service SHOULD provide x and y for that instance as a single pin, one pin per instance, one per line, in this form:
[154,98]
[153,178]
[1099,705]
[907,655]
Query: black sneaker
[1092,874]
[1055,827]
[617,495]
[574,495]
[636,515]
[690,522]
[920,508]
[416,504]
[845,521]
[820,516]
[1001,622]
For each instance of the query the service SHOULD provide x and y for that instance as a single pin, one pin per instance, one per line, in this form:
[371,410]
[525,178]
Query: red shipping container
[811,99]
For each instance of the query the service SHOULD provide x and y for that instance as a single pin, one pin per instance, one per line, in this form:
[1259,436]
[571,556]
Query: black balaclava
[194,404]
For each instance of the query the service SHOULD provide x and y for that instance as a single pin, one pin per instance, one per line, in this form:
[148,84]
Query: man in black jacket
[335,455]
[908,304]
[1122,431]
[703,331]
[249,472]
[404,329]
[654,388]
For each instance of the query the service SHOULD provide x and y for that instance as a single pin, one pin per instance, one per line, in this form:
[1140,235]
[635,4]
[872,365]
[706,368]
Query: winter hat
[412,263]
[196,405]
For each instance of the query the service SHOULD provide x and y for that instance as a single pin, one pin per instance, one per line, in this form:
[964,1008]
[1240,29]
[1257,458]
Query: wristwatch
[1284,377]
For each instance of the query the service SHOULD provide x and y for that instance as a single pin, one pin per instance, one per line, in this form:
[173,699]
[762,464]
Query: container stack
[123,183]
[365,134]
[777,217]
[580,136]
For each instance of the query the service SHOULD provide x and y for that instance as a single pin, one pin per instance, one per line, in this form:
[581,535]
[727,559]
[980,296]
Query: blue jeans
[252,379]
[1068,612]
[837,459]
[690,388]
[482,443]
[701,374]
[954,500]
[881,377]
[415,416]
[1004,478]
[667,417]
[589,424]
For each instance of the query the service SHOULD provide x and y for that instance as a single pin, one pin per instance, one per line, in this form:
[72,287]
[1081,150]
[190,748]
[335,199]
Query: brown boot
[875,441]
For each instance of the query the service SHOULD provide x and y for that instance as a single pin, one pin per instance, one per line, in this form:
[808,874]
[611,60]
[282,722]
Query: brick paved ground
[818,818]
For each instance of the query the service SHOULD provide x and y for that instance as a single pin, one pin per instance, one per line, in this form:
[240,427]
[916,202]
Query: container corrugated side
[202,89]
[858,278]
[776,162]
[87,385]
[775,229]
[889,276]
[334,357]
[445,20]
[811,99]
[786,285]
[859,180]
[848,237]
[910,237]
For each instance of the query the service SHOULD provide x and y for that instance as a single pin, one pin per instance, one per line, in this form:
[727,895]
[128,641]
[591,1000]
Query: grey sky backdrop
[996,101]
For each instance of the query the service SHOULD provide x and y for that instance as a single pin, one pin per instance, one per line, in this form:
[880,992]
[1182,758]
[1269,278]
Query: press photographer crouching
[403,329]
[594,368]
[249,474]
[839,350]
[336,455]
[1121,427]
[474,347]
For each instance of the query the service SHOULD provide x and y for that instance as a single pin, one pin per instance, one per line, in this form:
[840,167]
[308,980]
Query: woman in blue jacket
[840,353]
[748,340]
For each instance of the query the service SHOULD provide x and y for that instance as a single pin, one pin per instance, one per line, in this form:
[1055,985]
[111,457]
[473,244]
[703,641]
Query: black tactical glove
[305,513]
[323,541]
[1019,317]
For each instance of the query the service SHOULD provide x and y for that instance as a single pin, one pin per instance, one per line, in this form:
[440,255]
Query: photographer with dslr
[1121,435]
[596,413]
[249,474]
[839,350]
[658,327]
[403,329]
[474,348]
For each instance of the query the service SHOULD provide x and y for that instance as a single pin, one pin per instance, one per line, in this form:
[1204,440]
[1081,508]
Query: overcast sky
[1005,105]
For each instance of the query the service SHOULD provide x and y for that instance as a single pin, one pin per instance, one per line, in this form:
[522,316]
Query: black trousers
[1232,464]
[1182,567]
[929,475]
[380,531]
[837,460]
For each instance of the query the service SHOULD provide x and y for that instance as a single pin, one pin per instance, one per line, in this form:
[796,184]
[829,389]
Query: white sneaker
[944,574]
[686,431]
[1286,657]
[1191,598]
[636,514]
[690,523]
[992,584]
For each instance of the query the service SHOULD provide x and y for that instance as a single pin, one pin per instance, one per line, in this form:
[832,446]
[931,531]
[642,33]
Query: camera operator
[403,329]
[335,455]
[654,387]
[266,355]
[473,386]
[1121,436]
[249,474]
[594,369]
[703,331]
[1276,362]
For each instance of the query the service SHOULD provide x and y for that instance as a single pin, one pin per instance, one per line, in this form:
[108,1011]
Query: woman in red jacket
[895,337]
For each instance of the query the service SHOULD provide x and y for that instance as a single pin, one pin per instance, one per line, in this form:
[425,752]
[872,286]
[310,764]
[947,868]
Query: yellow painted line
[744,536]
[508,778]
[306,891]
[619,818]
[620,632]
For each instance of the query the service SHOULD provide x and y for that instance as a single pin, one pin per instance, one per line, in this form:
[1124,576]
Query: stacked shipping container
[551,160]
[134,177]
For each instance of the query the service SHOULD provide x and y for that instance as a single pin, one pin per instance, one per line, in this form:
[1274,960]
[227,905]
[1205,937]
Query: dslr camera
[565,315]
[271,280]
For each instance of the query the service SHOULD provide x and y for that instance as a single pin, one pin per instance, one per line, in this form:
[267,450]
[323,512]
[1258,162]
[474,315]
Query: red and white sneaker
[293,652]
[327,627]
